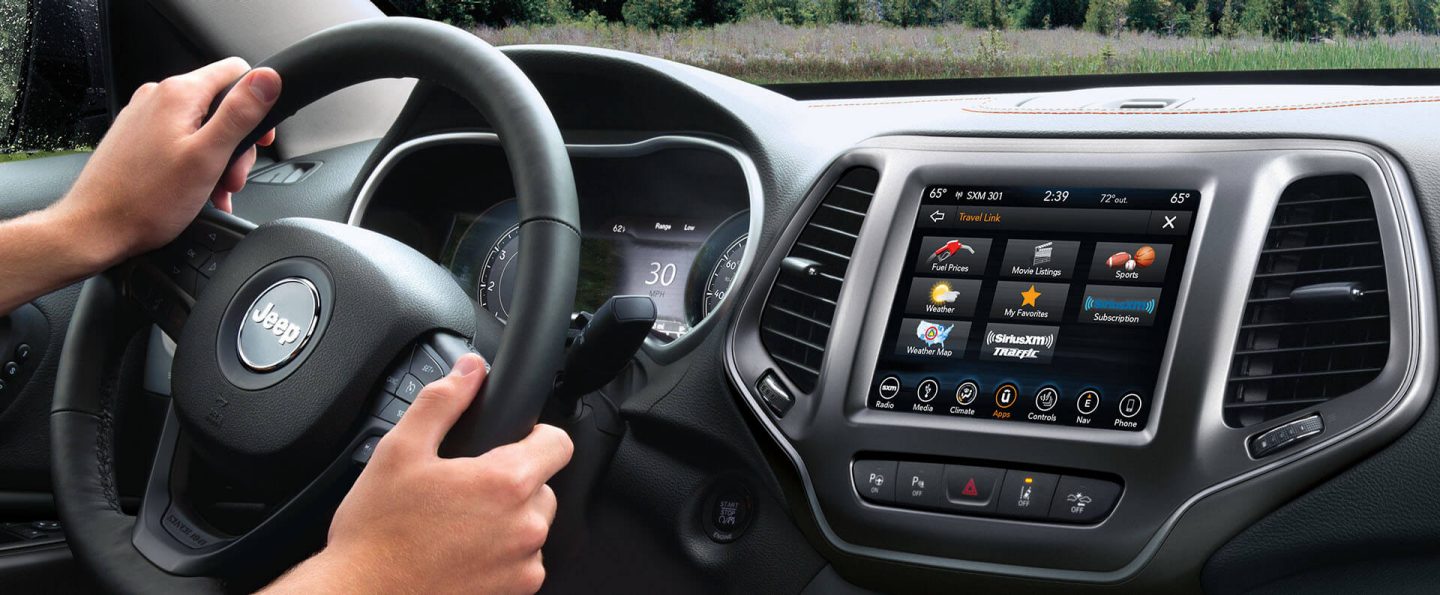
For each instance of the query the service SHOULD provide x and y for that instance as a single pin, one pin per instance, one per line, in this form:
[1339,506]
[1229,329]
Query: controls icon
[927,390]
[1130,405]
[1088,402]
[967,392]
[1006,395]
[889,387]
[1046,398]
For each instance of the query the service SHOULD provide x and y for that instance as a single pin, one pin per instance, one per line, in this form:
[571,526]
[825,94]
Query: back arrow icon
[937,216]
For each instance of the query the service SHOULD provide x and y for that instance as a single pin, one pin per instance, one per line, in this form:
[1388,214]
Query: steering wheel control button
[12,369]
[1285,435]
[728,511]
[278,324]
[1130,405]
[1026,495]
[212,264]
[366,450]
[920,485]
[774,394]
[410,388]
[1006,395]
[1083,500]
[394,410]
[875,480]
[425,368]
[1087,402]
[971,489]
[967,391]
[22,352]
[889,387]
[1046,398]
[927,390]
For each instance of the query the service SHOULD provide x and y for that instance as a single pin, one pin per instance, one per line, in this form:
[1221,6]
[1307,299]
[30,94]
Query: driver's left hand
[160,160]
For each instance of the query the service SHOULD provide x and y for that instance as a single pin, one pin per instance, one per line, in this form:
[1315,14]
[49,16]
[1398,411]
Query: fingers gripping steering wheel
[281,362]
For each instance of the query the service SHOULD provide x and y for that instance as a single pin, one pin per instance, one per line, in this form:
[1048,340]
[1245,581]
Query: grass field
[768,52]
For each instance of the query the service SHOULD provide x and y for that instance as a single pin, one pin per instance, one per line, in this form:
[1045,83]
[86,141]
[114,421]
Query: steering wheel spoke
[165,283]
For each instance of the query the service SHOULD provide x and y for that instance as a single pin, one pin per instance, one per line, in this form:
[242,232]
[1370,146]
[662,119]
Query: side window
[52,77]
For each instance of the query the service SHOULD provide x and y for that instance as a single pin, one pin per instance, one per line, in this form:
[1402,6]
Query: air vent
[1316,324]
[801,306]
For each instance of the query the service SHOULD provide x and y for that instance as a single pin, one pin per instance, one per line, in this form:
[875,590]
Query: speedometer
[717,285]
[496,289]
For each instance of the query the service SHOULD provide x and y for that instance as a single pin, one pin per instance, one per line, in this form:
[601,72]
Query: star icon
[1028,297]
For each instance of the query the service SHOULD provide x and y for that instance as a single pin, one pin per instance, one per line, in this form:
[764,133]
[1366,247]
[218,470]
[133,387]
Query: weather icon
[933,334]
[941,293]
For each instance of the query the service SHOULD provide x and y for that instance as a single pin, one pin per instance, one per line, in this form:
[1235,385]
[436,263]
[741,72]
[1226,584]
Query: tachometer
[496,289]
[717,285]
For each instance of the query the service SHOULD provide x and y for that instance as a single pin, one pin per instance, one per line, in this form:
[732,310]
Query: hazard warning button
[971,489]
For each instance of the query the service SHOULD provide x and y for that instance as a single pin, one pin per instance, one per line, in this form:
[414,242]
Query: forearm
[49,249]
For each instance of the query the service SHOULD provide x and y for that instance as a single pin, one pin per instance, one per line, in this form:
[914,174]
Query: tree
[1105,16]
[1036,14]
[1200,25]
[1143,15]
[1360,18]
[657,14]
[1229,24]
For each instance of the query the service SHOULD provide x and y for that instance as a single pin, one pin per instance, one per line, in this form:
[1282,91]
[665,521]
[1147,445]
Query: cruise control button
[409,389]
[1087,402]
[1006,395]
[889,387]
[971,488]
[1026,495]
[875,480]
[1083,500]
[393,380]
[920,485]
[1130,405]
[967,391]
[927,390]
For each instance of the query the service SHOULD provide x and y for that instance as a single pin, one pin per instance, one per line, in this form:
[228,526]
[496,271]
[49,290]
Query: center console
[1027,357]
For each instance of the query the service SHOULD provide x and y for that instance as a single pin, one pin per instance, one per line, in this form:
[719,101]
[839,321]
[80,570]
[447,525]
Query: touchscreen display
[1046,305]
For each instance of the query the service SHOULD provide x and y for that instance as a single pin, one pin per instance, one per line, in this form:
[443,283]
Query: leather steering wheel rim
[525,368]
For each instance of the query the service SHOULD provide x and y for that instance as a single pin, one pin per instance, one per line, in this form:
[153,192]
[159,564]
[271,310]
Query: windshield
[790,41]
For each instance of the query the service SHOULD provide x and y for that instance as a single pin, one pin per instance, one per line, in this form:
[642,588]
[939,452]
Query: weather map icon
[933,334]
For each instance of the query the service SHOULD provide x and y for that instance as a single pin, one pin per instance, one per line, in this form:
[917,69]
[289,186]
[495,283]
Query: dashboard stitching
[1205,111]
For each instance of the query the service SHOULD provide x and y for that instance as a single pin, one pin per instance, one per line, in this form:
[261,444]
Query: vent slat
[1291,356]
[796,321]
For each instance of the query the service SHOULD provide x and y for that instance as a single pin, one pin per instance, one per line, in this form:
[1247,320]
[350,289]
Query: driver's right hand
[473,525]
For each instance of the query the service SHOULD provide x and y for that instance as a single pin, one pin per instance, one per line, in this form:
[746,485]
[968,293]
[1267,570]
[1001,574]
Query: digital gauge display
[685,264]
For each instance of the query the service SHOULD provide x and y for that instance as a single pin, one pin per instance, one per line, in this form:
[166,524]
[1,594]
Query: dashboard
[666,218]
[1018,341]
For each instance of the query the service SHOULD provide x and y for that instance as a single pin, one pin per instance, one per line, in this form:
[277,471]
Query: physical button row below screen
[985,491]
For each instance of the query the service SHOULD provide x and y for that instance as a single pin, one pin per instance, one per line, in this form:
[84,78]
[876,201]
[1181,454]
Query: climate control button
[967,391]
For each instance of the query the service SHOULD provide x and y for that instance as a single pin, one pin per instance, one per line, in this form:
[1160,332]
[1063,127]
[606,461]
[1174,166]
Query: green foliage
[1043,14]
[787,12]
[657,14]
[1229,23]
[1360,18]
[1105,16]
[1199,24]
[1143,15]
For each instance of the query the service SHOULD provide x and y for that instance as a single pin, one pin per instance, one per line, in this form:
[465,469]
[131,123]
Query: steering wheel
[309,336]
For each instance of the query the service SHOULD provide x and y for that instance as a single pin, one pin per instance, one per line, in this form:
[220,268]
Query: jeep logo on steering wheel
[278,324]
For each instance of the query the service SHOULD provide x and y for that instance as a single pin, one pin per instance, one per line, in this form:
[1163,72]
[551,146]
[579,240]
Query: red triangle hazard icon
[970,489]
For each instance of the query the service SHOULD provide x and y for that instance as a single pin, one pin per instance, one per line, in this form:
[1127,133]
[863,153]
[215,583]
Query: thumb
[440,403]
[242,109]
